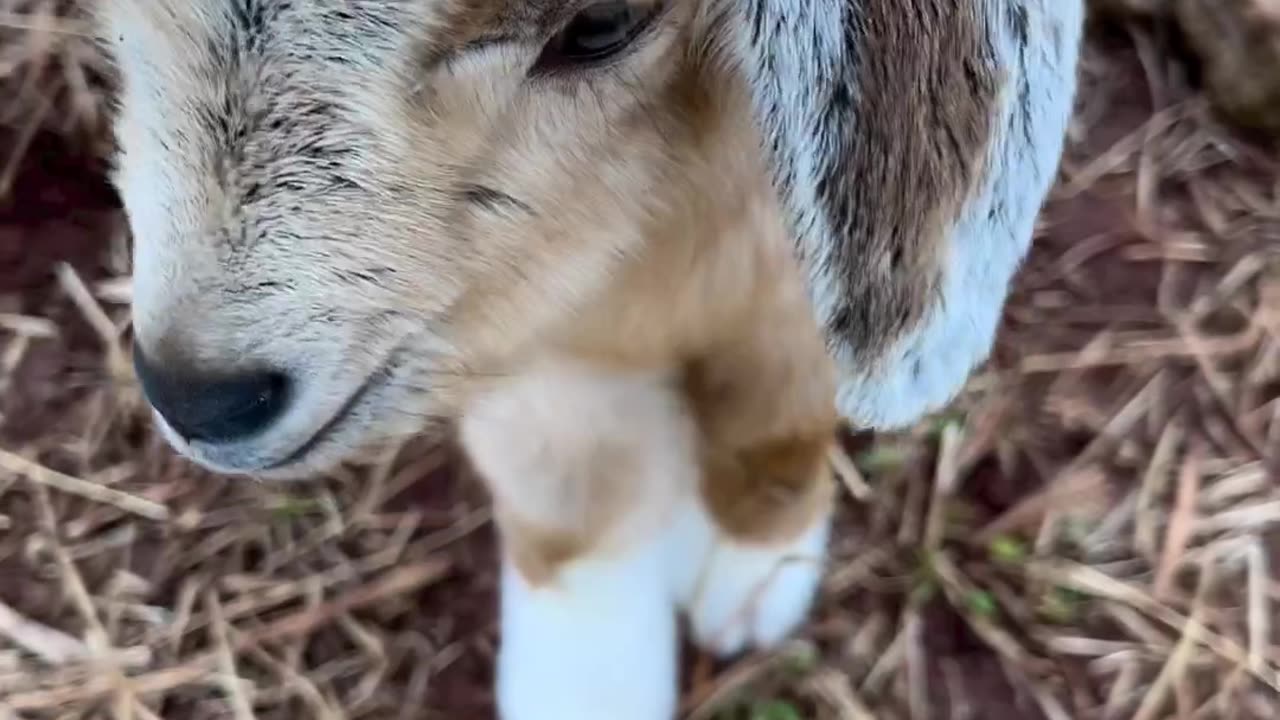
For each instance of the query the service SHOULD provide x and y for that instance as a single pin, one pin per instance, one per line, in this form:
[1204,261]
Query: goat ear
[913,143]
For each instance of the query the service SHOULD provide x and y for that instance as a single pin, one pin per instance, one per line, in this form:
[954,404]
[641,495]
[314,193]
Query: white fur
[599,643]
[609,453]
[805,44]
[928,367]
[740,597]
[566,446]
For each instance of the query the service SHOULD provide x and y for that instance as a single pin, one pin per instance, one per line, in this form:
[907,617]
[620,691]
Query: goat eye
[596,33]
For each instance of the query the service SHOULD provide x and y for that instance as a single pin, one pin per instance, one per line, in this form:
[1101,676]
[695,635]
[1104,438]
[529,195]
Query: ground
[1092,531]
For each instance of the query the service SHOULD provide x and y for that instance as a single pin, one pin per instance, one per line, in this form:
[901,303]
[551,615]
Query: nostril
[213,408]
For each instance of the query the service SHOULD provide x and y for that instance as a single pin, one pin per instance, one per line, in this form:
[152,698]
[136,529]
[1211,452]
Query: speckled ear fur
[913,143]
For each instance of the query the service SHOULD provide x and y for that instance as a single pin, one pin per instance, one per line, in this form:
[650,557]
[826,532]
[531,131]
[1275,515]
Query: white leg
[740,596]
[598,643]
[596,461]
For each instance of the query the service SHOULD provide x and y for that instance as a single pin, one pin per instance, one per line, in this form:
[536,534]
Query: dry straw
[1130,420]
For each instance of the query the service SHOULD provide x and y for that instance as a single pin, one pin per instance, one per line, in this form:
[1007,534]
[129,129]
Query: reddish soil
[60,210]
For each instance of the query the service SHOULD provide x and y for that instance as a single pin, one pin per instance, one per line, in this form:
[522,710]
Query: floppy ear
[913,143]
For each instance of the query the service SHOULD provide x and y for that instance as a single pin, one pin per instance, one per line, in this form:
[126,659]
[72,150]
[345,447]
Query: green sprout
[292,508]
[1008,550]
[982,603]
[882,458]
[774,710]
[1063,605]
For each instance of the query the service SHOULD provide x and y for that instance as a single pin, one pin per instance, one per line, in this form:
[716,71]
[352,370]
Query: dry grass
[1089,533]
[51,76]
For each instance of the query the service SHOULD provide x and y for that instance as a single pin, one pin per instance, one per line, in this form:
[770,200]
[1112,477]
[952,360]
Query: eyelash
[553,60]
[644,29]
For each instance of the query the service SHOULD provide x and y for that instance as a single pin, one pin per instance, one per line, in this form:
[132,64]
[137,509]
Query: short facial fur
[377,196]
[355,190]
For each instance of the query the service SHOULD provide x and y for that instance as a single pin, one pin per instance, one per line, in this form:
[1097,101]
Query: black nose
[208,408]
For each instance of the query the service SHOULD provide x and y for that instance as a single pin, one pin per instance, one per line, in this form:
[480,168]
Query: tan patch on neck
[538,554]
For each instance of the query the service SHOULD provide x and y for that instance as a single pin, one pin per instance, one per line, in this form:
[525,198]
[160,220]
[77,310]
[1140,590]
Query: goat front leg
[750,550]
[585,466]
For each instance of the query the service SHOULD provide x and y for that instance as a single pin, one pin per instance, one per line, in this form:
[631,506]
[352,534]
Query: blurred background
[1092,531]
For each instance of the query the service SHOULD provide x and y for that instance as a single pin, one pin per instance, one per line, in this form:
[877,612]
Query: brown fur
[926,76]
[626,222]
